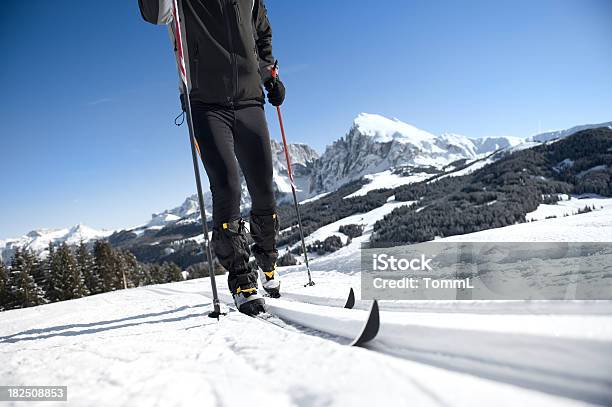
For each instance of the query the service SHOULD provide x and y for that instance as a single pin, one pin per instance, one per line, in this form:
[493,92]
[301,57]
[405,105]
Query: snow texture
[163,350]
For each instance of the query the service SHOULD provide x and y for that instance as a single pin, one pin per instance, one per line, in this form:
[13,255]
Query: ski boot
[270,282]
[264,229]
[232,249]
[248,301]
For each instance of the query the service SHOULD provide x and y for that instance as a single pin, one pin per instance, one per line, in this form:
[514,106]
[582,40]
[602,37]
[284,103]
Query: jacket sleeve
[263,39]
[156,11]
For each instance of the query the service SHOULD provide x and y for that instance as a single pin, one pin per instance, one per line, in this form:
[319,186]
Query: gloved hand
[276,91]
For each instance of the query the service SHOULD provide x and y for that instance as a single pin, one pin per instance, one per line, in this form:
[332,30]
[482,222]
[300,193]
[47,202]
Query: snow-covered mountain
[559,134]
[188,208]
[489,144]
[39,240]
[303,158]
[375,144]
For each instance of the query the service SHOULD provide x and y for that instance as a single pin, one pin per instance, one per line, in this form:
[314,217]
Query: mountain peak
[384,130]
[84,231]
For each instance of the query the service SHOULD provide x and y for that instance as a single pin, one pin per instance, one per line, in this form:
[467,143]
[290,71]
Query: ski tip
[371,327]
[350,301]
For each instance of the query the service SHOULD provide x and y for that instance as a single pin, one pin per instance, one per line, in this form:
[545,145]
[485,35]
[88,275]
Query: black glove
[276,91]
[183,105]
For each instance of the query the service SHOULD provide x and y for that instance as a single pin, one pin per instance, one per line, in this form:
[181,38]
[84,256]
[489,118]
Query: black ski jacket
[229,47]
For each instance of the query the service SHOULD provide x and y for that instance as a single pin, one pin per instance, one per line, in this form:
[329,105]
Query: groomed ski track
[156,346]
[552,353]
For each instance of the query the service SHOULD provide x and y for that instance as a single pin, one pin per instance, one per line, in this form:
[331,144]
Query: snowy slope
[569,206]
[559,134]
[367,220]
[387,180]
[163,350]
[470,166]
[594,226]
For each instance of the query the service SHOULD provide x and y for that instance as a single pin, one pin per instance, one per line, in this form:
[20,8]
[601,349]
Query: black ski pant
[231,139]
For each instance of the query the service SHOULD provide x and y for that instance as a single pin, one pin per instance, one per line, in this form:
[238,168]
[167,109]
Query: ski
[371,327]
[350,301]
[349,304]
[367,333]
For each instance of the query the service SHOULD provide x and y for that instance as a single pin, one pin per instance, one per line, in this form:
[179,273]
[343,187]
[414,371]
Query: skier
[229,56]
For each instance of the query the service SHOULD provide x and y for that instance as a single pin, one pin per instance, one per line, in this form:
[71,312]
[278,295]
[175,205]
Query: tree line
[66,273]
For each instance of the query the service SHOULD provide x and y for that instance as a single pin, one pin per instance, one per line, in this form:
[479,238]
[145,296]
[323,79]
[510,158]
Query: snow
[453,139]
[163,219]
[468,169]
[384,130]
[523,146]
[388,180]
[163,350]
[490,144]
[559,134]
[587,227]
[314,198]
[376,144]
[367,219]
[282,183]
[569,206]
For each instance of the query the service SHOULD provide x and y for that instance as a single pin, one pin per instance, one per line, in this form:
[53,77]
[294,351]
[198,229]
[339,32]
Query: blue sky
[89,91]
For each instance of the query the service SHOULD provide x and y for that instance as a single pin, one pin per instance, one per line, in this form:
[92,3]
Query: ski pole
[290,172]
[181,44]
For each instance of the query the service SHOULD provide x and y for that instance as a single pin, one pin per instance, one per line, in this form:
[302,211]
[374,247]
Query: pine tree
[172,272]
[104,265]
[120,270]
[76,283]
[138,275]
[24,291]
[66,280]
[56,279]
[36,269]
[133,269]
[85,264]
[5,297]
[145,278]
[157,274]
